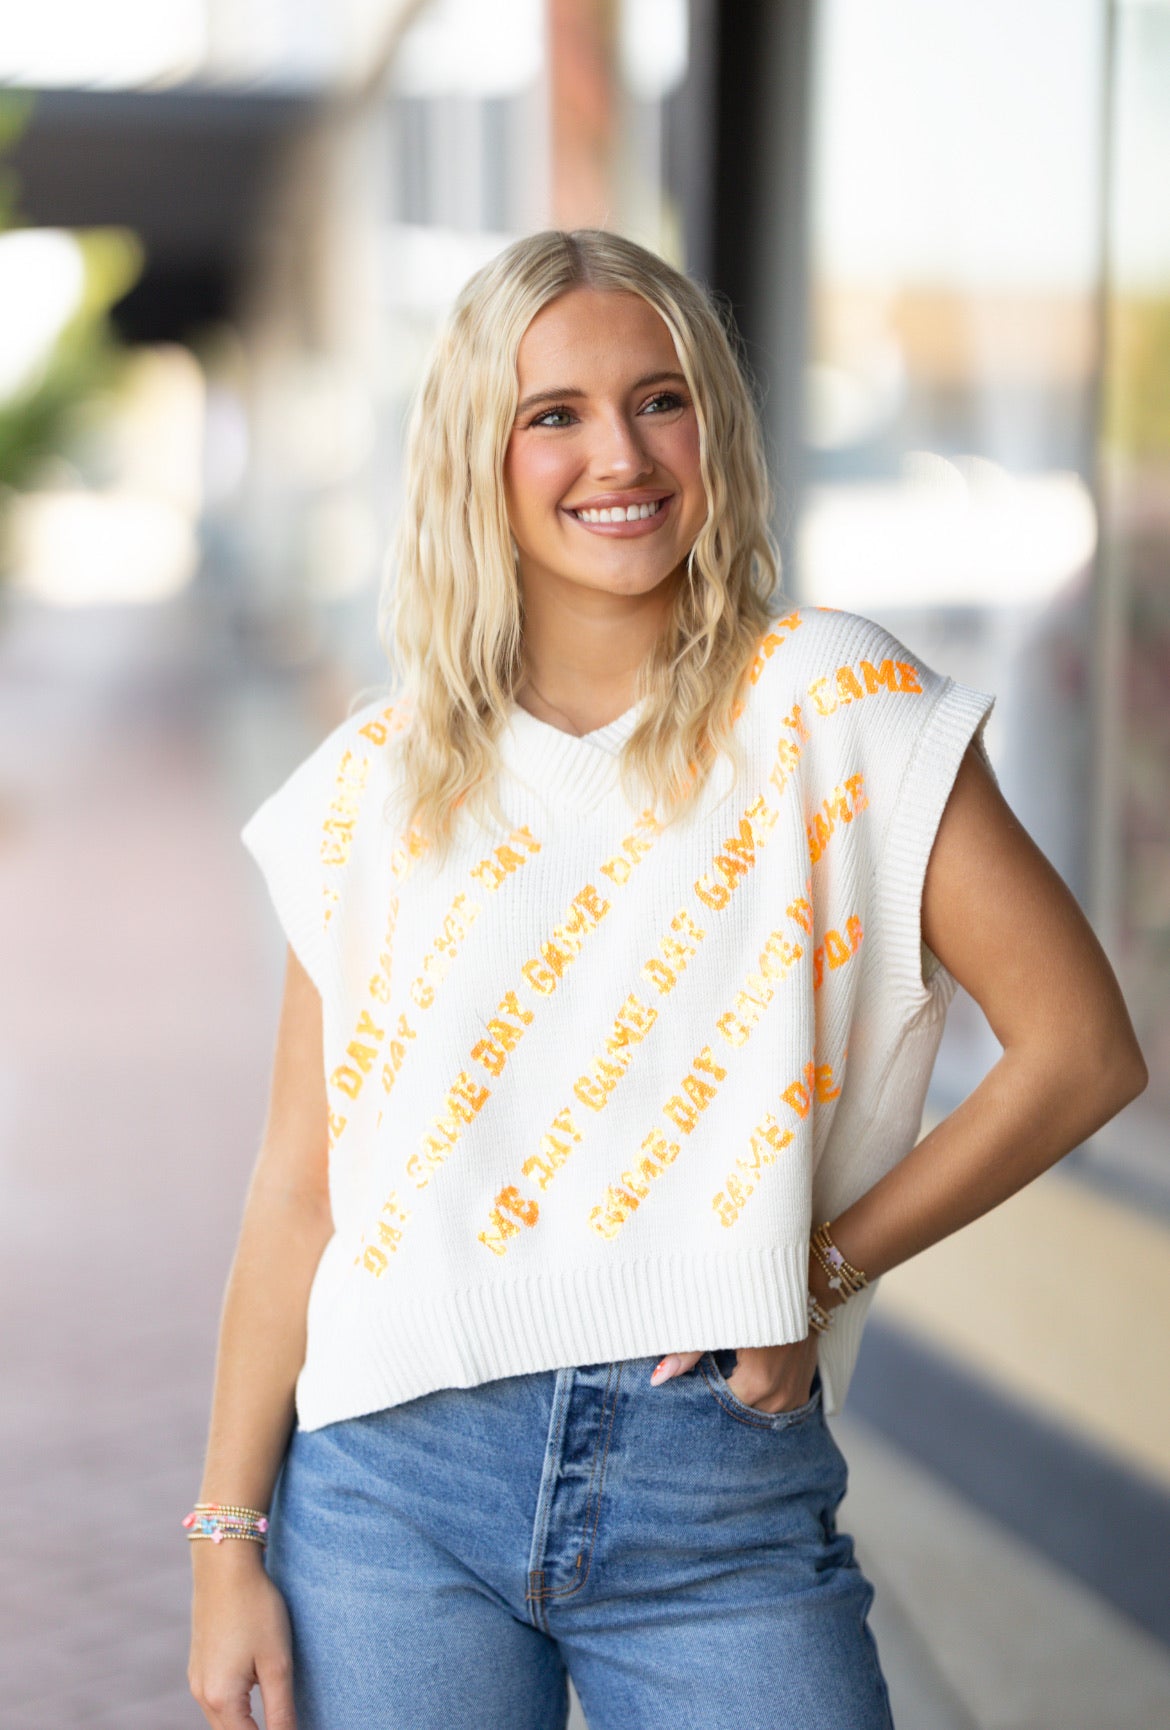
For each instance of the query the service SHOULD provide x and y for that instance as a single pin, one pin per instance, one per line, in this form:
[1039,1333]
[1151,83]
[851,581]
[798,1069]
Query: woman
[619,951]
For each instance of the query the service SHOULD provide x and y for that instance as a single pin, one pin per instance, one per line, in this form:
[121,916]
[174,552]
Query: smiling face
[601,472]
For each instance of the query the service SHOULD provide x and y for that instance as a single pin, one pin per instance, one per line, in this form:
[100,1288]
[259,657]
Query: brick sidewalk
[137,1012]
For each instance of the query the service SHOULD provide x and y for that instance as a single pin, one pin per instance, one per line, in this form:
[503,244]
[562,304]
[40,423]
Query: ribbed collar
[571,771]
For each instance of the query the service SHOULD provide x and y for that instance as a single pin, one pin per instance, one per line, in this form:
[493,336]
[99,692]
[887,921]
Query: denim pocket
[709,1368]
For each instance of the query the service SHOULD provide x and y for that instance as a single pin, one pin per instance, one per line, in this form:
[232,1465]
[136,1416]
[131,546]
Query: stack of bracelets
[843,1278]
[219,1520]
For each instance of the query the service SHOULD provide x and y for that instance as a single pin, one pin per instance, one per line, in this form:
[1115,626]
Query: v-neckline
[620,727]
[573,770]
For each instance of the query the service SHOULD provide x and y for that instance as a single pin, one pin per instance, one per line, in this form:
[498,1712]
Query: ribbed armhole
[299,910]
[958,716]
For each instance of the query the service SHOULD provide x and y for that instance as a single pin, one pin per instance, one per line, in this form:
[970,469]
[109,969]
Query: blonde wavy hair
[450,615]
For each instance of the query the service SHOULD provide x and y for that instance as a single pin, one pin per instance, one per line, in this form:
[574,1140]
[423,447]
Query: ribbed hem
[551,1319]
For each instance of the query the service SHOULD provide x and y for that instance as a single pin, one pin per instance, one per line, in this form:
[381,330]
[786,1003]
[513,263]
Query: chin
[621,573]
[626,582]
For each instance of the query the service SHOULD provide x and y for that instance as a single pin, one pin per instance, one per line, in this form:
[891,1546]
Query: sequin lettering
[634,848]
[341,819]
[511,1211]
[684,1113]
[777,957]
[770,642]
[438,960]
[505,1029]
[361,1053]
[844,803]
[765,1143]
[631,1025]
[817,1084]
[466,1098]
[520,846]
[544,972]
[800,911]
[374,1257]
[850,685]
[391,720]
[407,854]
[379,981]
[663,970]
[738,855]
[837,949]
[556,1144]
[348,1077]
[396,1051]
[622,1198]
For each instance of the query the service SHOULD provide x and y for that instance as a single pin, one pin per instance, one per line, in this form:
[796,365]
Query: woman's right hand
[240,1637]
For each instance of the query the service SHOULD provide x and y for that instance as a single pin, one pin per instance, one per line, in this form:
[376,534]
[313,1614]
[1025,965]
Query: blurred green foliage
[38,419]
[87,357]
[15,111]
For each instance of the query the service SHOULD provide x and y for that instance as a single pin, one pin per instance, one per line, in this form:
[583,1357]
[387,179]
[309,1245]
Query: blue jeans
[447,1561]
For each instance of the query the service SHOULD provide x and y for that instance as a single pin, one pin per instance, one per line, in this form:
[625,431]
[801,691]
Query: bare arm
[239,1631]
[1001,920]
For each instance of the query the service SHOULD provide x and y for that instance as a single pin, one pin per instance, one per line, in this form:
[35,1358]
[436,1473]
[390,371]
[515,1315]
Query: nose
[619,454]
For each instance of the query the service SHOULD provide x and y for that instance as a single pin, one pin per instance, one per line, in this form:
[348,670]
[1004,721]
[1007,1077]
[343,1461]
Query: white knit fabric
[591,1083]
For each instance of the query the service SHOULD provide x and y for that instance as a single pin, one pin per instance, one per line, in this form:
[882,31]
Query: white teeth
[618,514]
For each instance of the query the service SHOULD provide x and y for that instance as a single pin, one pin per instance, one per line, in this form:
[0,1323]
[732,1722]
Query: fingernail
[664,1370]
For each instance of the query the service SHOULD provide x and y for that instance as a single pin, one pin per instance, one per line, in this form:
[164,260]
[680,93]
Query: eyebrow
[540,396]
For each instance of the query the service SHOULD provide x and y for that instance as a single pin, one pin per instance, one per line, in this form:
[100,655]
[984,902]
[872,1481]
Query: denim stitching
[536,1597]
[545,1594]
[596,1448]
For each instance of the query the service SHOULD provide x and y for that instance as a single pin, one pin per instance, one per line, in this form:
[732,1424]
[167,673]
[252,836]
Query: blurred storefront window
[985,433]
[1132,831]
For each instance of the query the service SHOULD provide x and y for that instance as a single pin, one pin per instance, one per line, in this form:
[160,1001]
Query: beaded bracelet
[841,1275]
[220,1520]
[819,1318]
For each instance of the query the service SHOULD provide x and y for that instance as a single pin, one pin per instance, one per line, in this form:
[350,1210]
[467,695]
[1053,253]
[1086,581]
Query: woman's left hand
[770,1378]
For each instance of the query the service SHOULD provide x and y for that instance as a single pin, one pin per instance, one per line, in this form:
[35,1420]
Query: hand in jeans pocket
[770,1379]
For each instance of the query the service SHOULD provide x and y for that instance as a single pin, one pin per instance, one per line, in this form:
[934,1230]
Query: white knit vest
[591,1083]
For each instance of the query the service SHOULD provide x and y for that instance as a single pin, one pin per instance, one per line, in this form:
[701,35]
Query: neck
[583,652]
